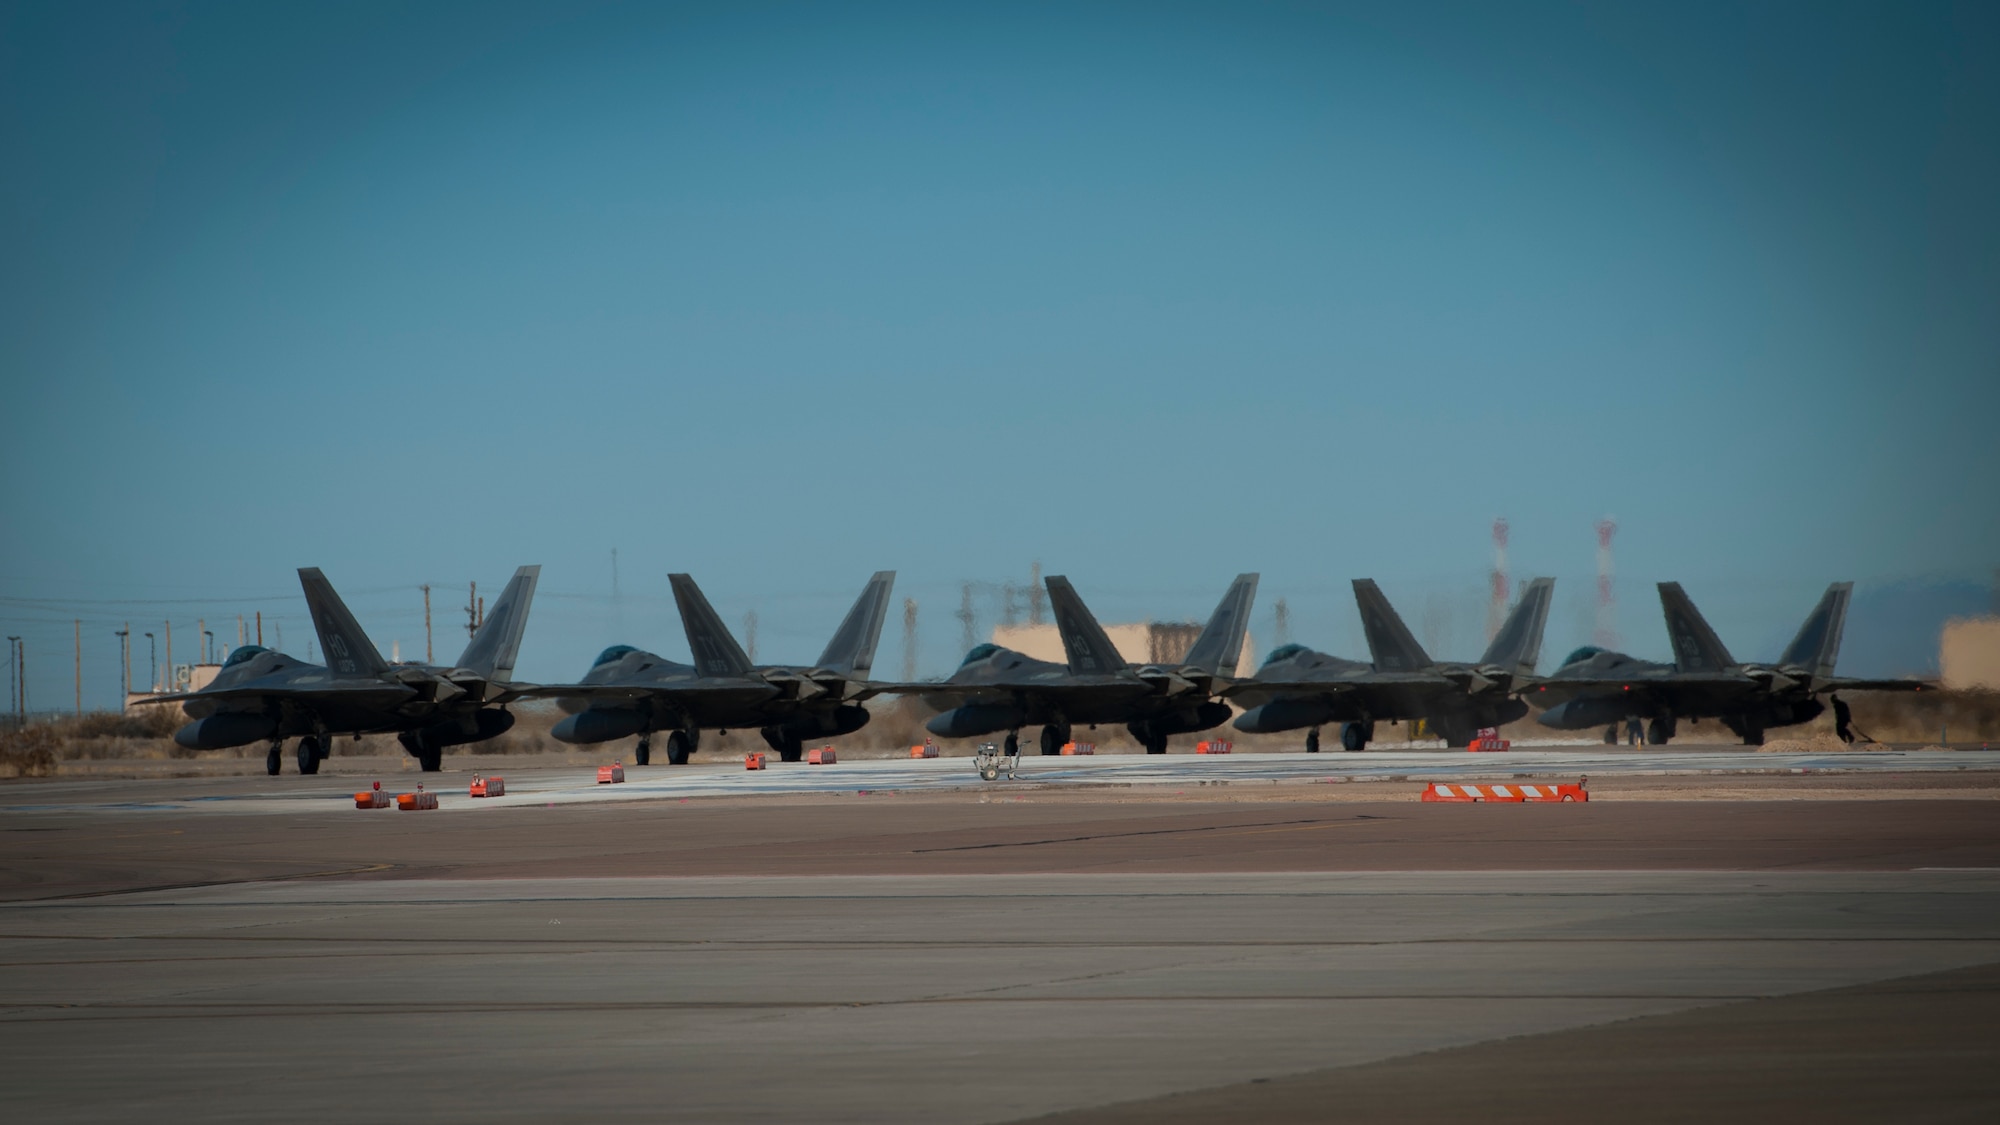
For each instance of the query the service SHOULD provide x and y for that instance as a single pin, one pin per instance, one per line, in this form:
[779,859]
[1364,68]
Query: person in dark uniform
[1842,720]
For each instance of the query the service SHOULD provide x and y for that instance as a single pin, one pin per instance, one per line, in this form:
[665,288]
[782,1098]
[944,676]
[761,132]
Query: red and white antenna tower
[1496,608]
[1606,635]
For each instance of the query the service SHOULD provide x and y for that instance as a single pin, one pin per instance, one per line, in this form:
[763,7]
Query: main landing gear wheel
[274,759]
[1156,744]
[1353,737]
[678,750]
[1053,738]
[309,755]
[431,760]
[642,754]
[1659,732]
[794,751]
[1312,741]
[1611,735]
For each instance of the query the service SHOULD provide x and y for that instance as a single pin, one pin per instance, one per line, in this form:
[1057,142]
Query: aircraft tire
[642,754]
[308,756]
[1351,737]
[1312,741]
[1753,735]
[1657,733]
[678,749]
[431,760]
[1053,738]
[274,759]
[1611,735]
[794,751]
[1157,744]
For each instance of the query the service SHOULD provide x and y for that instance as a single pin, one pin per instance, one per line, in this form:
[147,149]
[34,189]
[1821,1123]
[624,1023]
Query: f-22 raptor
[997,689]
[630,691]
[260,694]
[1599,688]
[1300,688]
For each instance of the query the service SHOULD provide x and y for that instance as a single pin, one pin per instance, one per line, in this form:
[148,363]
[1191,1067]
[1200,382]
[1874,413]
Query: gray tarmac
[1113,954]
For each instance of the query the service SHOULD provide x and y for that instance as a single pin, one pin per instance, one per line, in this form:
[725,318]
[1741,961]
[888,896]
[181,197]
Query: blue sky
[782,294]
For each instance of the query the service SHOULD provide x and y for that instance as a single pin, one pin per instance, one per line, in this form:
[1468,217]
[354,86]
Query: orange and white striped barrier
[1214,747]
[372,798]
[407,802]
[1086,749]
[1467,794]
[754,760]
[611,774]
[927,750]
[824,756]
[487,786]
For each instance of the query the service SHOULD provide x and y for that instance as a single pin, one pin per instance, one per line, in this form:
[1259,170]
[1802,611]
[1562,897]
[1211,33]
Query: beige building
[1148,642]
[1969,655]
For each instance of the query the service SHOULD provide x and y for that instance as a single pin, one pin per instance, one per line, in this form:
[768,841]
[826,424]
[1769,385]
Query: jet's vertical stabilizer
[851,652]
[1220,644]
[1818,644]
[716,653]
[1090,652]
[1518,644]
[1696,647]
[494,648]
[1390,644]
[349,652]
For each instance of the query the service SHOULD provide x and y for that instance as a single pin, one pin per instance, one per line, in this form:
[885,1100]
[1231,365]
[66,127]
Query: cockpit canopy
[1584,653]
[243,654]
[978,653]
[615,652]
[1283,652]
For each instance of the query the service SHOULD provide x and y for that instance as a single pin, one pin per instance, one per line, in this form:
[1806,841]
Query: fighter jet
[630,691]
[1599,688]
[1300,688]
[261,694]
[997,689]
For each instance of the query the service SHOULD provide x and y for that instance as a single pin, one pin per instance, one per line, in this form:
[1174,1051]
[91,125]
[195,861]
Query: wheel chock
[927,750]
[612,774]
[824,756]
[372,798]
[1214,747]
[488,786]
[1459,794]
[753,760]
[407,802]
[1083,748]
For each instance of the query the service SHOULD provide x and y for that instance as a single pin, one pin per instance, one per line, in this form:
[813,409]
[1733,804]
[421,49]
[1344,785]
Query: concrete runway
[1117,954]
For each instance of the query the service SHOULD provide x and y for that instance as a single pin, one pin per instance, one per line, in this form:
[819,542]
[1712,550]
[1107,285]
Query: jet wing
[331,689]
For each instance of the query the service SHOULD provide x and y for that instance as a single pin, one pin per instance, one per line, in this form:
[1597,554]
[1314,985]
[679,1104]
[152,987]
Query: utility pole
[152,662]
[473,610]
[79,665]
[965,618]
[427,623]
[239,630]
[260,628]
[14,680]
[169,630]
[909,639]
[200,647]
[125,655]
[1281,623]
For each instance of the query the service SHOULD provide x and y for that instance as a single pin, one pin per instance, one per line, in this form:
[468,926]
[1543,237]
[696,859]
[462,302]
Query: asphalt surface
[254,949]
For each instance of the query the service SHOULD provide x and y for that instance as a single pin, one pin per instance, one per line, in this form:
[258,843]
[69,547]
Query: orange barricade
[927,750]
[372,798]
[1487,745]
[1214,747]
[1466,794]
[823,756]
[488,786]
[418,800]
[753,760]
[1084,748]
[611,774]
